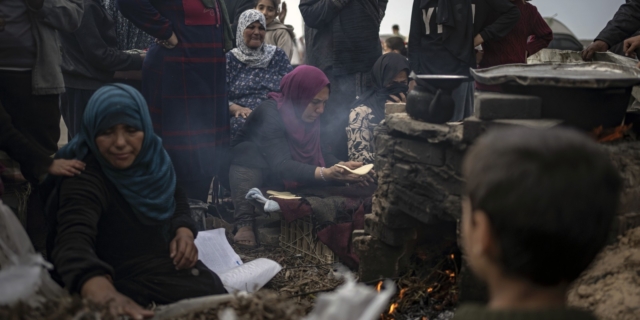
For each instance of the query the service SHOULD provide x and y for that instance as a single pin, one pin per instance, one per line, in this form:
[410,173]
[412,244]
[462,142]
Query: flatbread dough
[282,195]
[360,171]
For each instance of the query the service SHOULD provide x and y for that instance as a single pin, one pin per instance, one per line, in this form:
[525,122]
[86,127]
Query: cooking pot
[431,99]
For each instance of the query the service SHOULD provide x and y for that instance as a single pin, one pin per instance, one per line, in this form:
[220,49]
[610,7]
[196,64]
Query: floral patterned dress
[248,87]
[360,142]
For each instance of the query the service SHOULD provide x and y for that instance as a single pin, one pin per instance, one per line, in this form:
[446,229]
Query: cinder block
[492,106]
[419,152]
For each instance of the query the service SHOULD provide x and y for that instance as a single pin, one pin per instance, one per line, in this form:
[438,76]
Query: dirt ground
[611,286]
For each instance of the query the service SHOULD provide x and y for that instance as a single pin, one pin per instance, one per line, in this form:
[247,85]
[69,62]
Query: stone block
[391,215]
[403,124]
[419,152]
[393,237]
[492,106]
[391,108]
[474,127]
[454,156]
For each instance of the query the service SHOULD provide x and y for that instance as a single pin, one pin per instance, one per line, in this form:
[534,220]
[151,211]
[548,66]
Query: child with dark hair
[395,44]
[538,207]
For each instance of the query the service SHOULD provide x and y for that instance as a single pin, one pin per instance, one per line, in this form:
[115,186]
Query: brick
[492,106]
[391,215]
[379,260]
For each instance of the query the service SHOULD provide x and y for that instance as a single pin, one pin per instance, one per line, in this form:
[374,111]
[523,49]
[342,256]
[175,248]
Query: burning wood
[610,134]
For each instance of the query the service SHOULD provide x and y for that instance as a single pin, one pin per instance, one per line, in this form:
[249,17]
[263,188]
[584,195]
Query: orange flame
[608,135]
[429,290]
[402,293]
[453,256]
[425,318]
[379,286]
[393,308]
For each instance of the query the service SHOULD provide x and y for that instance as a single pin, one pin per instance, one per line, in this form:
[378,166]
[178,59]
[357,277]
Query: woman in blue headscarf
[122,230]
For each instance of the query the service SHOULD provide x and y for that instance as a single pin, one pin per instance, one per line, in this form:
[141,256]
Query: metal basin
[584,95]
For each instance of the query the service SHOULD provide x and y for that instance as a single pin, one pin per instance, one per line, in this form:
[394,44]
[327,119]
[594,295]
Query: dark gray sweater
[262,143]
[90,55]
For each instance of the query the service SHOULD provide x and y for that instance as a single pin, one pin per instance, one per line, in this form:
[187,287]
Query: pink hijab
[297,89]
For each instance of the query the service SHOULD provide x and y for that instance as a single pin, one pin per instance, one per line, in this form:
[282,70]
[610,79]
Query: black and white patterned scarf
[254,58]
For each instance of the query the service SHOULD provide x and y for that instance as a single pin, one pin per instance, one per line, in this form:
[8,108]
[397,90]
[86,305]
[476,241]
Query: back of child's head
[396,43]
[550,196]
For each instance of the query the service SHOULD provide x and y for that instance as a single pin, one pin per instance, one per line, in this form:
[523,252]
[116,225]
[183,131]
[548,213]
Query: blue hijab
[149,184]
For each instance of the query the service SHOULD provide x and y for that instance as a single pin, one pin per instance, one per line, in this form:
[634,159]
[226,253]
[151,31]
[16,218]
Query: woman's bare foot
[245,237]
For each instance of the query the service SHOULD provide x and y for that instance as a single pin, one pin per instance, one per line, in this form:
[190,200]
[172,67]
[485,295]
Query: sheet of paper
[251,276]
[215,251]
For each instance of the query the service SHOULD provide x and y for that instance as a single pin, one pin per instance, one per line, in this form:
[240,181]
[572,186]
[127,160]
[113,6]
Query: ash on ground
[611,286]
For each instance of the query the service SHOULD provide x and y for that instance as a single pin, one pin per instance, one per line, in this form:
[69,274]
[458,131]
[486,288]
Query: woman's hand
[100,290]
[239,111]
[170,43]
[336,173]
[401,99]
[596,46]
[183,250]
[68,168]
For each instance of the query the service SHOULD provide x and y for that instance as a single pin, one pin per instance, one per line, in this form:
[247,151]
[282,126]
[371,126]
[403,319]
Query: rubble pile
[611,286]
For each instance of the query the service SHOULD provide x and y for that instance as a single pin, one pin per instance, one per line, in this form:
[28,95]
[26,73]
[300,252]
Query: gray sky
[584,17]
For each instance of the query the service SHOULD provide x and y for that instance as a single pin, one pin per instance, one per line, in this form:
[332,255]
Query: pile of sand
[611,286]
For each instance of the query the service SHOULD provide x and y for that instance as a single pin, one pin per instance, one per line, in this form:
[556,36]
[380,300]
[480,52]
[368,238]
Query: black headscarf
[383,72]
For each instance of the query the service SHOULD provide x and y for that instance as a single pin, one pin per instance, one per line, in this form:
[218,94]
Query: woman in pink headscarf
[280,146]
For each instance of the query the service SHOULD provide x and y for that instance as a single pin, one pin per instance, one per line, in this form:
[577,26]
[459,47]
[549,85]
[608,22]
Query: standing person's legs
[241,180]
[463,98]
[72,105]
[37,117]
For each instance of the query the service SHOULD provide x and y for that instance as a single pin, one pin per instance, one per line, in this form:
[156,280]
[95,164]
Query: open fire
[424,292]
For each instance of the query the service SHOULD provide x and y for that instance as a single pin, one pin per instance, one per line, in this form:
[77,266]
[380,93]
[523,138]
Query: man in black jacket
[342,39]
[444,33]
[624,24]
[90,59]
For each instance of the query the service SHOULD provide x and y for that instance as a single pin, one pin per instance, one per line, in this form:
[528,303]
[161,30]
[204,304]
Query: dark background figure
[129,36]
[624,24]
[443,45]
[30,75]
[90,57]
[31,83]
[530,35]
[395,44]
[342,39]
[184,83]
[395,29]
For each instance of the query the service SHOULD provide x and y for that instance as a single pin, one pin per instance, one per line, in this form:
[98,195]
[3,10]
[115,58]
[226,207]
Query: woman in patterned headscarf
[253,69]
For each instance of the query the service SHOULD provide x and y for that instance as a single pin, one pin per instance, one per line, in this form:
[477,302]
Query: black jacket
[623,25]
[431,53]
[90,55]
[34,161]
[342,36]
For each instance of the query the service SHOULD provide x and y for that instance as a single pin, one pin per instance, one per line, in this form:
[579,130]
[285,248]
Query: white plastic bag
[352,301]
[23,272]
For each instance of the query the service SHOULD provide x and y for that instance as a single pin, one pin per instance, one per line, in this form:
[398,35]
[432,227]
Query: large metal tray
[593,75]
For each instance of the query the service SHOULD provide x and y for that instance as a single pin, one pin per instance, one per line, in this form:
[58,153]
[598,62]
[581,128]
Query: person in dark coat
[624,24]
[441,42]
[184,83]
[121,231]
[280,146]
[90,57]
[342,39]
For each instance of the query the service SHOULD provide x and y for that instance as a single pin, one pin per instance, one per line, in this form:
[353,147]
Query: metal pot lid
[596,75]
